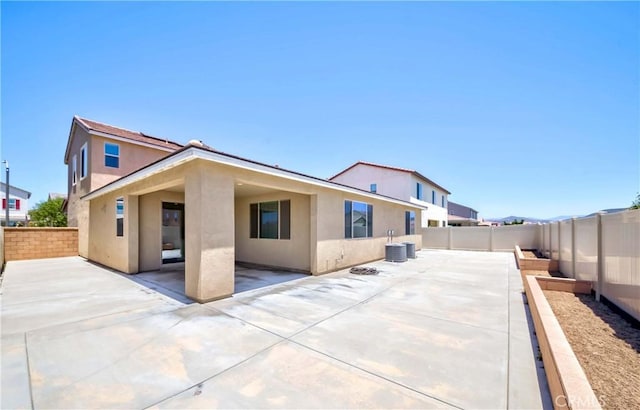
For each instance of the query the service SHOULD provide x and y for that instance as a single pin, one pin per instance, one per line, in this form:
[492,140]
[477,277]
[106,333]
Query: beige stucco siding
[82,186]
[132,158]
[118,252]
[151,227]
[334,251]
[287,253]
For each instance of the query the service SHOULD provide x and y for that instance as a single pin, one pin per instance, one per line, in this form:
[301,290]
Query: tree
[48,213]
[636,203]
[514,222]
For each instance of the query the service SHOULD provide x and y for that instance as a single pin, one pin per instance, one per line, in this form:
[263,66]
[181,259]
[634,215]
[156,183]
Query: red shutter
[4,203]
[17,204]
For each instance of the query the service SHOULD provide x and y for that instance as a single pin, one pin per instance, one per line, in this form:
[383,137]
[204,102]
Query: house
[56,195]
[461,215]
[98,154]
[399,183]
[18,204]
[212,210]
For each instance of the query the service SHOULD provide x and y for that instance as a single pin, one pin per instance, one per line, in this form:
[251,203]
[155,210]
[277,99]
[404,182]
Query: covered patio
[169,280]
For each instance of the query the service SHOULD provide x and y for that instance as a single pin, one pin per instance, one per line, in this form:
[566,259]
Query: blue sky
[516,108]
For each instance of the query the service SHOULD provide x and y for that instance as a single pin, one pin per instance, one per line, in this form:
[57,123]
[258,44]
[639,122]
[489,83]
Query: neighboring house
[461,215]
[98,154]
[55,195]
[211,210]
[18,204]
[399,183]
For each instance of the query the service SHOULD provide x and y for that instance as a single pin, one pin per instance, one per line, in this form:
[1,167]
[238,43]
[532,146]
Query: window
[358,220]
[409,223]
[14,204]
[74,170]
[433,223]
[270,220]
[373,188]
[84,161]
[443,224]
[418,190]
[111,155]
[433,197]
[443,204]
[120,217]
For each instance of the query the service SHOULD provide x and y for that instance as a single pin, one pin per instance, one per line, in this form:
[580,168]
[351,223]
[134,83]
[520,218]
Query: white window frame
[84,161]
[74,170]
[11,203]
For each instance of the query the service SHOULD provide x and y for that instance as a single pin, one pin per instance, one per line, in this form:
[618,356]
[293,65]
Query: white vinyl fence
[604,249]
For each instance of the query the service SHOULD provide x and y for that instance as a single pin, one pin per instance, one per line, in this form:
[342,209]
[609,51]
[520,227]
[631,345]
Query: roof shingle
[124,133]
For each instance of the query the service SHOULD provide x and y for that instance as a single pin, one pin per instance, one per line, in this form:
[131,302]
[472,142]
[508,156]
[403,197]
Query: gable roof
[409,171]
[14,190]
[98,128]
[192,151]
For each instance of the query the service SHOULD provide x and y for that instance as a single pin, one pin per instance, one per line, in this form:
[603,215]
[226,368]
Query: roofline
[410,171]
[468,207]
[15,188]
[130,141]
[88,129]
[192,152]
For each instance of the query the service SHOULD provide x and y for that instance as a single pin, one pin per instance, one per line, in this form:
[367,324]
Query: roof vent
[196,143]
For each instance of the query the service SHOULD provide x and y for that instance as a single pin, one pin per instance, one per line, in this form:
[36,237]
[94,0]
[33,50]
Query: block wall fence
[603,249]
[37,243]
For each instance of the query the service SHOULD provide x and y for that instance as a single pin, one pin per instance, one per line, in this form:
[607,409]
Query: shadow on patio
[169,280]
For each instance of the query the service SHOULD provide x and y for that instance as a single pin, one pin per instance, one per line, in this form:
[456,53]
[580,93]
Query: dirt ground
[607,347]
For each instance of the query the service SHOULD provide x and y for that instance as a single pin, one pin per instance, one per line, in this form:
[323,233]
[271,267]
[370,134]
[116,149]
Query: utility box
[395,252]
[411,249]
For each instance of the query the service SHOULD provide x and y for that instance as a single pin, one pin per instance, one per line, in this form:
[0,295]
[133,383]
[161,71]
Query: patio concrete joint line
[26,352]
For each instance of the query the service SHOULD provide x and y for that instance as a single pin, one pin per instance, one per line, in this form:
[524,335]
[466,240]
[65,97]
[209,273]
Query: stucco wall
[333,251]
[393,183]
[287,253]
[82,187]
[132,158]
[151,227]
[118,252]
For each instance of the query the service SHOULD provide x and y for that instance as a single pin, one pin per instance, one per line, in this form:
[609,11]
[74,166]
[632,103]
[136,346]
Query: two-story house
[18,204]
[140,202]
[98,154]
[400,183]
[461,215]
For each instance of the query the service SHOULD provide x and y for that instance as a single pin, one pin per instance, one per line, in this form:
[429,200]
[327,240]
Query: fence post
[550,243]
[450,240]
[559,243]
[600,264]
[573,247]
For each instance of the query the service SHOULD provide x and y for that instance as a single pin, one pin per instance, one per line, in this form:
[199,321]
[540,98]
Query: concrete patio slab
[309,380]
[144,361]
[418,352]
[448,329]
